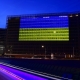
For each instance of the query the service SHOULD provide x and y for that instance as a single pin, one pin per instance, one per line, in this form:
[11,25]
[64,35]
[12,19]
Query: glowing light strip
[10,73]
[63,16]
[26,76]
[37,72]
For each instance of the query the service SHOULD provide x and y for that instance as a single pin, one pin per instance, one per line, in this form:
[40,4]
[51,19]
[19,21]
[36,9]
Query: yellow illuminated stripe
[44,34]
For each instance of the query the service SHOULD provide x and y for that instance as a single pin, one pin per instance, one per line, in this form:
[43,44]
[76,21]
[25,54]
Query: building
[16,46]
[2,41]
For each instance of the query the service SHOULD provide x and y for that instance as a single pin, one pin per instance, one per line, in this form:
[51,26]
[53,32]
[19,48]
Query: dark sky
[19,7]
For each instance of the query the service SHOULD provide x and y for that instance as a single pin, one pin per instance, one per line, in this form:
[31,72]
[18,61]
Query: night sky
[19,7]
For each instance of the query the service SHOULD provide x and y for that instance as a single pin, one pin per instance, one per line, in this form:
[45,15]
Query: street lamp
[42,46]
[45,50]
[73,51]
[73,47]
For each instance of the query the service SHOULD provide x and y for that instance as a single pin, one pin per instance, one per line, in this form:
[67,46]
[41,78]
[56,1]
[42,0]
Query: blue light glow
[40,22]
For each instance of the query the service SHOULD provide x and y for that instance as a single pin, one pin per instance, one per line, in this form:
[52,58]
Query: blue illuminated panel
[44,22]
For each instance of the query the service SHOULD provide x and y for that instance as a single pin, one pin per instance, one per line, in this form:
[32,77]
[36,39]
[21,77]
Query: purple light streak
[9,75]
[19,75]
